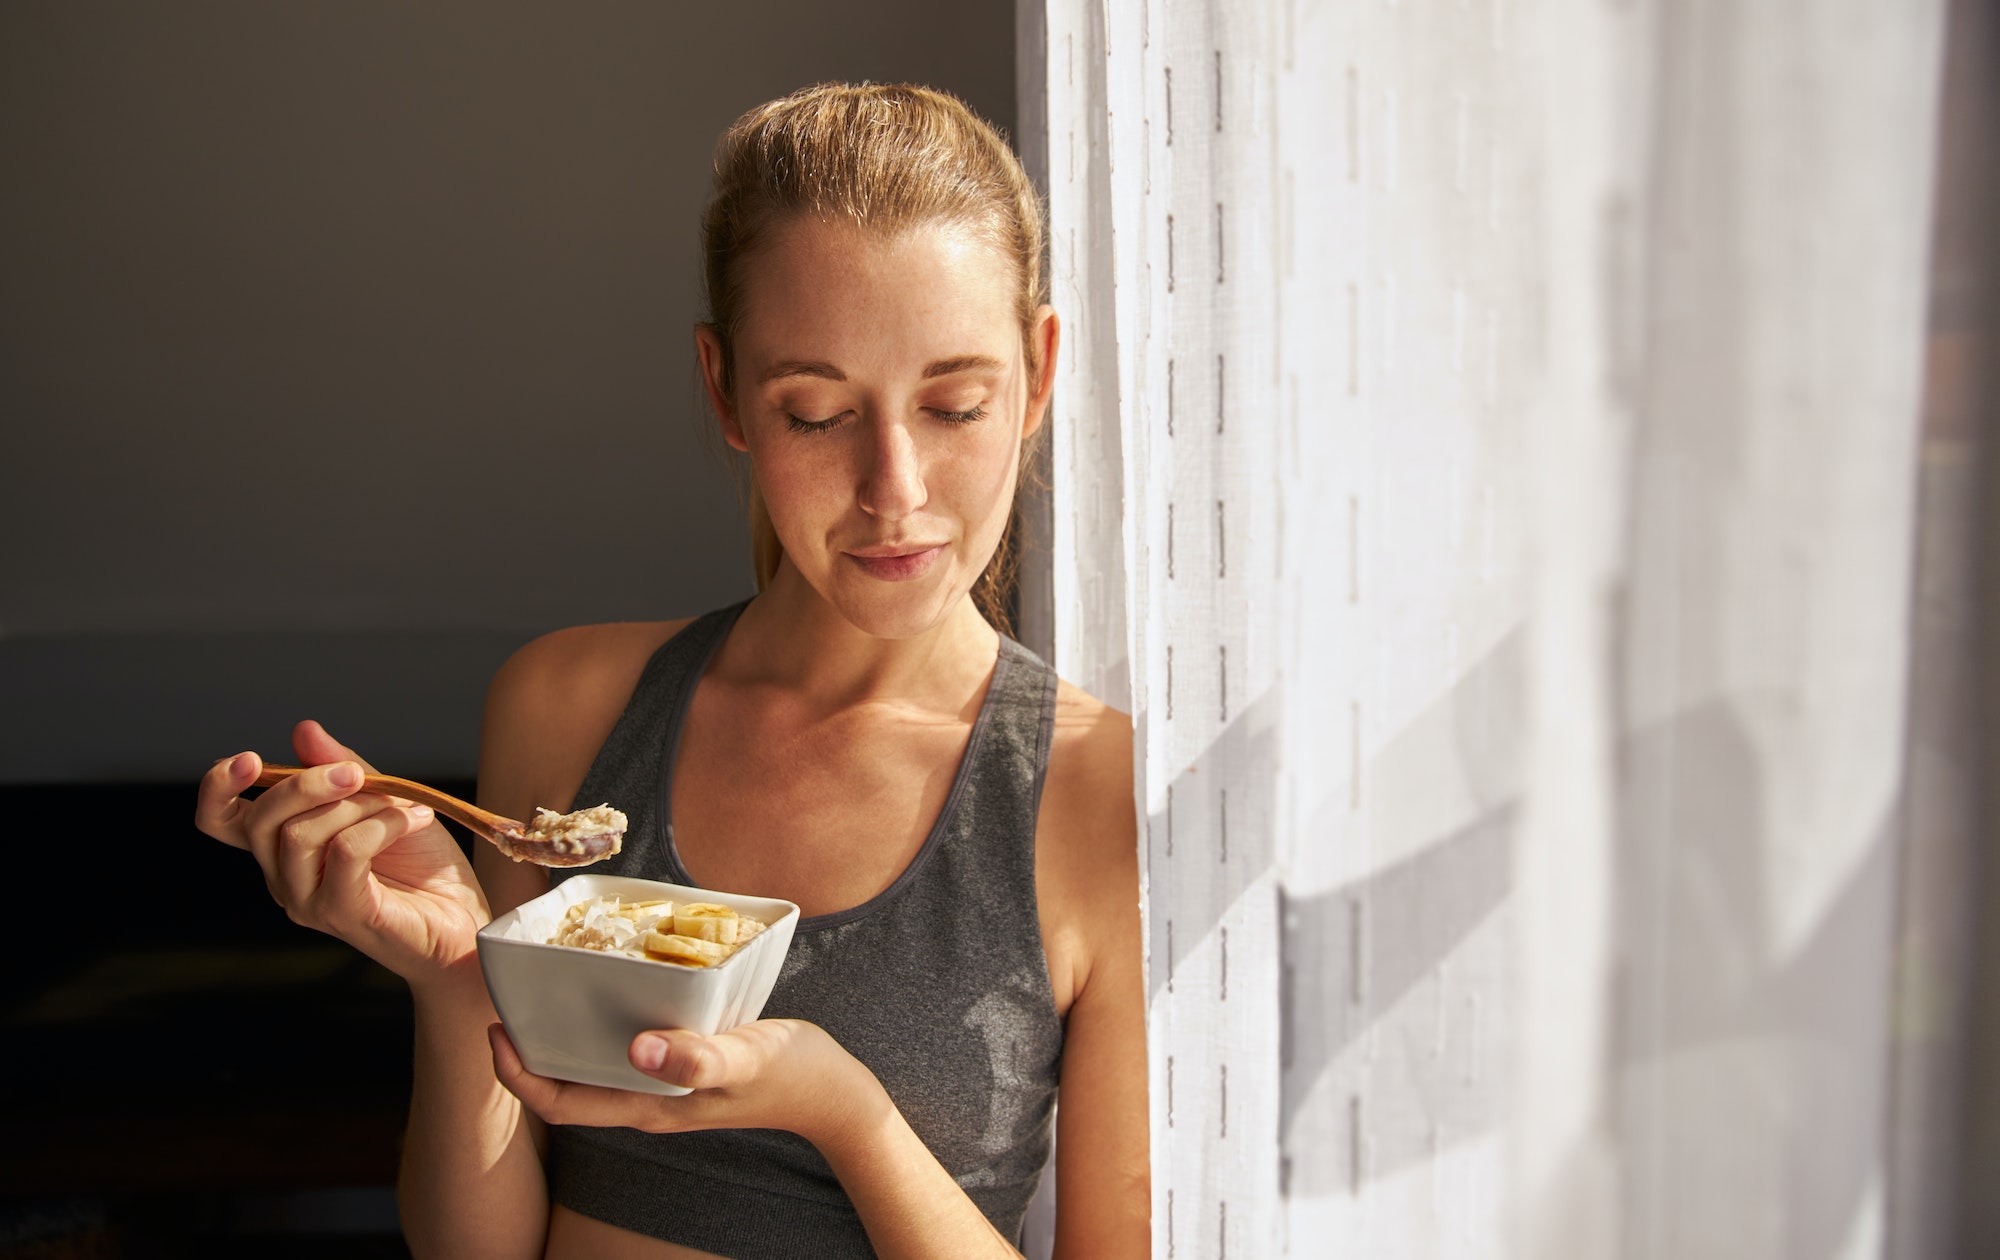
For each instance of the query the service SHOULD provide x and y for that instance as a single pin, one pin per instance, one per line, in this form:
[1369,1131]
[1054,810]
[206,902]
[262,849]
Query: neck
[791,637]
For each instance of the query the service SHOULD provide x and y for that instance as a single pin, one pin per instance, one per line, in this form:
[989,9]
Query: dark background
[343,348]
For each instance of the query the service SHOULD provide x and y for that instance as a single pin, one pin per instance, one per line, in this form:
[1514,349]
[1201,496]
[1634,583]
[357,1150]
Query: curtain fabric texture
[1483,465]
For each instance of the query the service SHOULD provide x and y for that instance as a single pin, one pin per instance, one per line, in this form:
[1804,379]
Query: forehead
[837,290]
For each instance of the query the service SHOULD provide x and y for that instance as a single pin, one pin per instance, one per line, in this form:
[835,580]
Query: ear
[708,348]
[1046,336]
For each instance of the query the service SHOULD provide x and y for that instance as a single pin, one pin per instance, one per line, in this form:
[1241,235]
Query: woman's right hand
[380,873]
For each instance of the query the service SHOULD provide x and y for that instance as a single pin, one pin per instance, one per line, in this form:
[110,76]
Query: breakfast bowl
[572,1013]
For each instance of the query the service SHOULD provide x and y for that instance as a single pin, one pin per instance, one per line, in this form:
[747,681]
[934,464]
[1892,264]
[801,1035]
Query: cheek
[802,487]
[982,484]
[985,465]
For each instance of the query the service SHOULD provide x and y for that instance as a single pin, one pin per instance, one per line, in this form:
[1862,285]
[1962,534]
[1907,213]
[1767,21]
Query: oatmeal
[574,833]
[697,934]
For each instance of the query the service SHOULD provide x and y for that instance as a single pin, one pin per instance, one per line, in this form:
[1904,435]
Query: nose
[892,486]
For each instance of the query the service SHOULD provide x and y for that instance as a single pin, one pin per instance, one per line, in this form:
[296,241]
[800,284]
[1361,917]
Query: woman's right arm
[385,877]
[472,1181]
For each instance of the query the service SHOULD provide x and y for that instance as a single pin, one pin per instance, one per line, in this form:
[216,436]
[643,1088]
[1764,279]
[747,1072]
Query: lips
[896,562]
[889,551]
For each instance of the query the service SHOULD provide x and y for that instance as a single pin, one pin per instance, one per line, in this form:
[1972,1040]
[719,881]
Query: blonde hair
[883,156]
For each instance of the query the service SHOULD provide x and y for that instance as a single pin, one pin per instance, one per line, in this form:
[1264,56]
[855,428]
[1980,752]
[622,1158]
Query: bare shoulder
[1089,783]
[596,657]
[548,711]
[1086,847]
[550,707]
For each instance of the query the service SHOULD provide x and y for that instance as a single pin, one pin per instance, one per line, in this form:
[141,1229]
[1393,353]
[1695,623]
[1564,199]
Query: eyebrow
[963,363]
[800,367]
[827,371]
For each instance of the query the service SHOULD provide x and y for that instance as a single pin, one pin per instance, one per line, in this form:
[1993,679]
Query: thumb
[681,1057]
[316,748]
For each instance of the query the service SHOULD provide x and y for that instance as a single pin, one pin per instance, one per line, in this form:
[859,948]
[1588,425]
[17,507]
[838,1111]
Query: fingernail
[648,1053]
[420,812]
[345,775]
[242,766]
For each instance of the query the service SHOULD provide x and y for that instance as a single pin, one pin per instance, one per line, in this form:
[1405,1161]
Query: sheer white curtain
[1483,465]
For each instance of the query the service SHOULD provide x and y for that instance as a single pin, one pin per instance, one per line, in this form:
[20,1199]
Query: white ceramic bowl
[572,1013]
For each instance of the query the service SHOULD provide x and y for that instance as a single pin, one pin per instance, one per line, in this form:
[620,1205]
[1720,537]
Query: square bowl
[572,1013]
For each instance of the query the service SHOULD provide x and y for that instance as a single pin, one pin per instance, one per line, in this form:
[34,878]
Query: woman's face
[882,394]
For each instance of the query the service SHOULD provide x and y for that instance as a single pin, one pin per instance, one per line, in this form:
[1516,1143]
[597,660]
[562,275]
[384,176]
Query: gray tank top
[939,985]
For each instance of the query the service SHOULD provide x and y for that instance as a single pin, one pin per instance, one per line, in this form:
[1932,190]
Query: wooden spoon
[553,840]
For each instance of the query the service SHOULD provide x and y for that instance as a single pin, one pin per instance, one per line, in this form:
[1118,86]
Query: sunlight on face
[882,393]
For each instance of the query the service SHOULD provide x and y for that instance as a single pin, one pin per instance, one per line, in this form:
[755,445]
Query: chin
[894,610]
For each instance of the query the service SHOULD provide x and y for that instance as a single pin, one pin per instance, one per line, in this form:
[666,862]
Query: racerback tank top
[939,984]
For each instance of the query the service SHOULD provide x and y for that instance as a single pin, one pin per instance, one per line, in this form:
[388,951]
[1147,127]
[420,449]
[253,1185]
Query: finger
[680,1057]
[316,747]
[305,842]
[218,802]
[293,813]
[506,1060]
[347,879]
[566,1102]
[539,1094]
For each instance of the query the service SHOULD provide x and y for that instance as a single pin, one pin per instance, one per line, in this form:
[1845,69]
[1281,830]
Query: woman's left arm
[1087,868]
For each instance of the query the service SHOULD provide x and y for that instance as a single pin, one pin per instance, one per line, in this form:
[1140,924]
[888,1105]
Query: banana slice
[706,921]
[686,950]
[640,910]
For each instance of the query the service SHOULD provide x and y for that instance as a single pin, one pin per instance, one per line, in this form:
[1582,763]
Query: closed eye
[796,425]
[960,417]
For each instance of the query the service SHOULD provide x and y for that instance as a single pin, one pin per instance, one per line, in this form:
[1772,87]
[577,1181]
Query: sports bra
[939,984]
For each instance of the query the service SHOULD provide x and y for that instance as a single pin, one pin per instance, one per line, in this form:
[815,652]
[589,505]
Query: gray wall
[344,347]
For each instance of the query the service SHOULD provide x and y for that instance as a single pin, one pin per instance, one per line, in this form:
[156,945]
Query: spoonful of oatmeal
[548,839]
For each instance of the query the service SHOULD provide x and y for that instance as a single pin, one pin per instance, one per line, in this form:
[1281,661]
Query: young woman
[954,823]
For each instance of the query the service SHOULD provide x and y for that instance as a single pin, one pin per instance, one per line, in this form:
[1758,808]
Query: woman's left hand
[767,1074]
